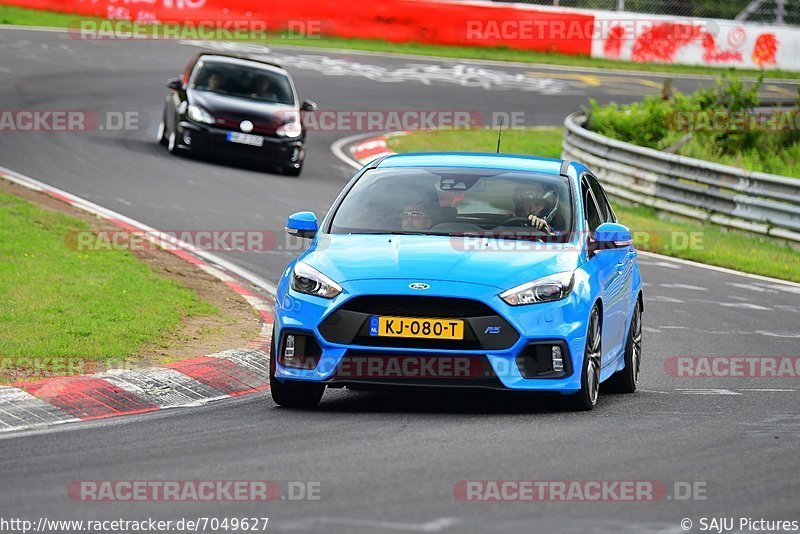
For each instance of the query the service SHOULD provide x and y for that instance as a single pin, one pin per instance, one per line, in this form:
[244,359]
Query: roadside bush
[654,123]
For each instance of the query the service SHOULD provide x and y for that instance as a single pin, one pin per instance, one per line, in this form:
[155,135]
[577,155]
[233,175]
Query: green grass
[63,306]
[545,142]
[29,17]
[656,232]
[780,160]
[20,16]
[709,243]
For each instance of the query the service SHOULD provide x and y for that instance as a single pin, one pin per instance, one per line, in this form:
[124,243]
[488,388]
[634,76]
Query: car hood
[499,263]
[240,108]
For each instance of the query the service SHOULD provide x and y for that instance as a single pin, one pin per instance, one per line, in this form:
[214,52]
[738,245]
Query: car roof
[241,60]
[480,160]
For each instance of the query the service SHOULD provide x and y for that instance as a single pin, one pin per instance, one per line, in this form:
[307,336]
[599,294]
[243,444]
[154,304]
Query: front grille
[407,306]
[259,127]
[400,369]
[484,328]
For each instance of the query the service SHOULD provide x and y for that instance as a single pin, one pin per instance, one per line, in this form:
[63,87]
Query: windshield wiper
[400,232]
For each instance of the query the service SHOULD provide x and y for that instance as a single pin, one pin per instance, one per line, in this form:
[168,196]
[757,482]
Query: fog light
[295,154]
[187,138]
[299,351]
[558,361]
[288,349]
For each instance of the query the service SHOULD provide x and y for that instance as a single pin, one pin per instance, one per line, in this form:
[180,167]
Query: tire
[172,143]
[291,171]
[291,394]
[626,380]
[586,398]
[161,136]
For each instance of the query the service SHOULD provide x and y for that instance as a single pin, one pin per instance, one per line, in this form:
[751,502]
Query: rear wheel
[291,394]
[625,381]
[586,398]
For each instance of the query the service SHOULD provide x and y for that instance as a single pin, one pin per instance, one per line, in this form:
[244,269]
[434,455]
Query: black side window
[590,212]
[606,213]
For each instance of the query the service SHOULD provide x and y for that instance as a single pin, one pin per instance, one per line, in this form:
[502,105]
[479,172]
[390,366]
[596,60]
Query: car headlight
[308,280]
[547,289]
[198,114]
[291,128]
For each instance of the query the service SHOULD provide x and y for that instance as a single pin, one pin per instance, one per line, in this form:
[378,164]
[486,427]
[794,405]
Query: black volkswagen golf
[239,107]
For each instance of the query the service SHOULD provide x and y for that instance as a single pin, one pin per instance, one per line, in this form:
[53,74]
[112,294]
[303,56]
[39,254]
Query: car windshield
[247,82]
[455,202]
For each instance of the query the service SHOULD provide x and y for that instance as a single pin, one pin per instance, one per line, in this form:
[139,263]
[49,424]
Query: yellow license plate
[418,327]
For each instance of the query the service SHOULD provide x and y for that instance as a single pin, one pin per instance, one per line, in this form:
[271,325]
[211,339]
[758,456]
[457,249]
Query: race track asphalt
[388,462]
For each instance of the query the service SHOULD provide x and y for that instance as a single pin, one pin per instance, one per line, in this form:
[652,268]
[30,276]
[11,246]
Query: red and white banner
[711,42]
[602,34]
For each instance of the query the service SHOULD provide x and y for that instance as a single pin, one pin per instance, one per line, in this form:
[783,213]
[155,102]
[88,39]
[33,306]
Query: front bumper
[487,358]
[209,140]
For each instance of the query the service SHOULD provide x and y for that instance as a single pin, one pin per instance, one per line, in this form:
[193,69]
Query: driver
[214,82]
[415,217]
[261,89]
[539,205]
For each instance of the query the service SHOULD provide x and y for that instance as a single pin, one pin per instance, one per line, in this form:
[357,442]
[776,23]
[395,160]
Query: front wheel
[289,393]
[161,135]
[625,381]
[586,398]
[172,142]
[293,171]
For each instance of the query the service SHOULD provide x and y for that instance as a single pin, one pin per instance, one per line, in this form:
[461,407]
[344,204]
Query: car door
[610,266]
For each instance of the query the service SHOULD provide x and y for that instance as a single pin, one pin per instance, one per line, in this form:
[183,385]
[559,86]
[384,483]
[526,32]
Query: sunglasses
[530,197]
[413,214]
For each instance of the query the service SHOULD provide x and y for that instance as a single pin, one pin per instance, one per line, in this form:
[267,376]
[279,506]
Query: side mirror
[302,224]
[174,84]
[611,235]
[308,105]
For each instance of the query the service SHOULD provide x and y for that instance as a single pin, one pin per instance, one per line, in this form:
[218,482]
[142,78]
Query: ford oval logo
[246,126]
[419,285]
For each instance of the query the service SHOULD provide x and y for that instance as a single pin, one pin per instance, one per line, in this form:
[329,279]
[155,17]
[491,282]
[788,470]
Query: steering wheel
[515,221]
[524,222]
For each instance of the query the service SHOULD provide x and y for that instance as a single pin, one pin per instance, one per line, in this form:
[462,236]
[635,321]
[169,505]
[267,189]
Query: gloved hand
[539,224]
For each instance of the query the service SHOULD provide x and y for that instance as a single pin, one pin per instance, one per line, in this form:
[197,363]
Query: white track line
[717,269]
[338,147]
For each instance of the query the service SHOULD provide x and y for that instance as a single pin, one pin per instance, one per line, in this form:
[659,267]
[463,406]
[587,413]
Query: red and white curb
[358,150]
[370,149]
[28,405]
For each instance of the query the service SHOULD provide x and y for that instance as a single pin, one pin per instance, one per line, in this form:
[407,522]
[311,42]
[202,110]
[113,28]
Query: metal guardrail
[755,201]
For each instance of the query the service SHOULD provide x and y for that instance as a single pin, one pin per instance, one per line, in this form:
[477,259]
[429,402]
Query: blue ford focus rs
[457,270]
